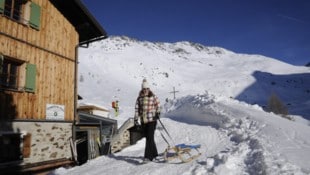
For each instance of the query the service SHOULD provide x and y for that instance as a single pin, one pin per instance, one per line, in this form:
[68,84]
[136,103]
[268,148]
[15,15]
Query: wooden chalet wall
[52,50]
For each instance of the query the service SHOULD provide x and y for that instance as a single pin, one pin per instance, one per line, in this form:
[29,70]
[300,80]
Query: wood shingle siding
[39,40]
[52,51]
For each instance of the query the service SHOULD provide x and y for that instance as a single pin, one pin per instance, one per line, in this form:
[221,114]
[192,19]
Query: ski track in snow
[261,152]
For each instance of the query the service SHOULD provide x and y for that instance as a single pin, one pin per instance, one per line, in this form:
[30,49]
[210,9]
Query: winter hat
[145,84]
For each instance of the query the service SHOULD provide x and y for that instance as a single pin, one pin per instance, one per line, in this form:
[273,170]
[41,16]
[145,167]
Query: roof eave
[86,25]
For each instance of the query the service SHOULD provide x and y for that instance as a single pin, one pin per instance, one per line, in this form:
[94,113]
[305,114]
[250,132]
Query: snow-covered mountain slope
[218,105]
[114,68]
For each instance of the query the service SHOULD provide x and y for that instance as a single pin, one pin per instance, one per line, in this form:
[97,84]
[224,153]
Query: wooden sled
[182,152]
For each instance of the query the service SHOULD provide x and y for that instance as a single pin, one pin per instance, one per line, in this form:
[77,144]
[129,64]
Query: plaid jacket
[146,108]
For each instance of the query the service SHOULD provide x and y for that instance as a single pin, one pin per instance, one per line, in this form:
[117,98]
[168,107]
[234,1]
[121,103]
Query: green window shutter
[30,77]
[1,6]
[35,16]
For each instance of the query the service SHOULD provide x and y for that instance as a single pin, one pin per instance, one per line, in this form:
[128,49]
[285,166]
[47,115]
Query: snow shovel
[182,152]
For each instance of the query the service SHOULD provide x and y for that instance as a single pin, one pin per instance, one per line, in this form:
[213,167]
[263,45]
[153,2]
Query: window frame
[13,9]
[28,12]
[10,76]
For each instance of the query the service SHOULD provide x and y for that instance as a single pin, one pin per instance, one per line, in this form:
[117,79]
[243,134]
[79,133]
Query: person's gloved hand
[137,123]
[157,115]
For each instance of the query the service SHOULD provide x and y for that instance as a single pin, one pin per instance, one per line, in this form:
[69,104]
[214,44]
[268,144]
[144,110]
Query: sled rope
[166,133]
[165,139]
[182,151]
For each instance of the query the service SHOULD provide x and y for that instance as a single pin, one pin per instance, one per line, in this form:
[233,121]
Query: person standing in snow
[147,110]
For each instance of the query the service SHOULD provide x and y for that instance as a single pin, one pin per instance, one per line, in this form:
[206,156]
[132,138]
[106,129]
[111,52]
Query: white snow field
[219,104]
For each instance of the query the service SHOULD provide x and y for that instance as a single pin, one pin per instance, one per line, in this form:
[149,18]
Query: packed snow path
[129,160]
[236,138]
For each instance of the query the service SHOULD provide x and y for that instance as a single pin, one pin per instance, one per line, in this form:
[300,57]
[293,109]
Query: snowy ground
[236,138]
[236,135]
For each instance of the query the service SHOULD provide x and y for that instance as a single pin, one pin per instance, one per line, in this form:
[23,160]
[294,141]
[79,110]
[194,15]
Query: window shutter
[30,78]
[1,6]
[35,16]
[27,145]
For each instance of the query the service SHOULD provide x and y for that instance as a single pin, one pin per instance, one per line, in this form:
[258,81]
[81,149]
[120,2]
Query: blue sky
[275,28]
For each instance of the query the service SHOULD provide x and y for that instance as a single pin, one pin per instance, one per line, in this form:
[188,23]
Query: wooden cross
[174,91]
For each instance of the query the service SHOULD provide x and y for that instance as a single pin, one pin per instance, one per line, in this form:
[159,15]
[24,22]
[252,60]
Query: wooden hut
[94,135]
[39,40]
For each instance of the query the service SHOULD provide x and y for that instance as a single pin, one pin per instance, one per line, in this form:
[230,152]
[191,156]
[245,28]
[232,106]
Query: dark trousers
[150,146]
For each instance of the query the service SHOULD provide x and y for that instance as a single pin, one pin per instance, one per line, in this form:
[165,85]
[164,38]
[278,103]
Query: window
[23,11]
[9,74]
[17,75]
[13,9]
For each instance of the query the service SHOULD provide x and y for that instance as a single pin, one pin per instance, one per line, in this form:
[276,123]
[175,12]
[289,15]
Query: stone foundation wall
[48,140]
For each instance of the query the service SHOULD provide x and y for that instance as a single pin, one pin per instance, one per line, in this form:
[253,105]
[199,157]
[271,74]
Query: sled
[182,152]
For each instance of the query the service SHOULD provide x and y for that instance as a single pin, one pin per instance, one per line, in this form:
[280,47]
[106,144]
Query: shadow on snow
[292,89]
